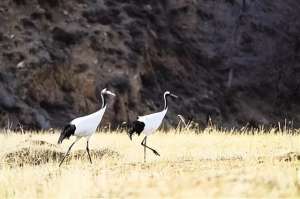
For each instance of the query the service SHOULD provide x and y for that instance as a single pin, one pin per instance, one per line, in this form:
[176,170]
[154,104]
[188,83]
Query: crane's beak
[110,93]
[174,96]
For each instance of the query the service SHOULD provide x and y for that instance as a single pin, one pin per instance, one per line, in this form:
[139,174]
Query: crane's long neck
[103,101]
[166,102]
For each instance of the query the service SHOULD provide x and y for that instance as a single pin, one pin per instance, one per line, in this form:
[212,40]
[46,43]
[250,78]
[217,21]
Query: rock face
[236,61]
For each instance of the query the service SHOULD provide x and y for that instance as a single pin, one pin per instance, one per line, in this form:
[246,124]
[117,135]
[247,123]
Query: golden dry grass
[211,164]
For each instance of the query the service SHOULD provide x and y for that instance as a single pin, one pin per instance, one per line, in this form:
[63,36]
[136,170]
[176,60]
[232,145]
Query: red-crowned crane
[84,126]
[148,124]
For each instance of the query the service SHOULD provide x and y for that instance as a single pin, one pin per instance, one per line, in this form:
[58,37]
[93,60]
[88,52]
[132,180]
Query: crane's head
[107,92]
[169,94]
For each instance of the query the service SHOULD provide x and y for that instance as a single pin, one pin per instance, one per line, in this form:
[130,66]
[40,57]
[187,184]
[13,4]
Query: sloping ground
[234,62]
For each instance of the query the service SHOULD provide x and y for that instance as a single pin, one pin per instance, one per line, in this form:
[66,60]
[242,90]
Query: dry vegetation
[209,164]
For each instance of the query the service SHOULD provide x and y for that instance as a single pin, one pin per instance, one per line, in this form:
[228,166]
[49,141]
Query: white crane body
[87,125]
[152,121]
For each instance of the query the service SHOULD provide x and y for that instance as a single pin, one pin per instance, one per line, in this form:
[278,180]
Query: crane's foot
[156,153]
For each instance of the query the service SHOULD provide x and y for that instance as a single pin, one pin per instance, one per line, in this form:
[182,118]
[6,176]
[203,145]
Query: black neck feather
[103,100]
[166,101]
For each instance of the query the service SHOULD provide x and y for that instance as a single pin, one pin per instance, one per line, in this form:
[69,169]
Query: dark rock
[20,2]
[14,57]
[41,14]
[134,11]
[2,37]
[50,3]
[8,101]
[102,16]
[42,122]
[233,63]
[121,84]
[204,15]
[80,68]
[27,23]
[66,37]
[96,43]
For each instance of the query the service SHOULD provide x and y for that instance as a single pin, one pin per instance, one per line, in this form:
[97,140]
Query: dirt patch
[37,155]
[31,156]
[289,157]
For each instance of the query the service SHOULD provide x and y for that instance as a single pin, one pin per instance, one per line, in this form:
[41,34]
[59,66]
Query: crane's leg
[145,141]
[88,151]
[145,146]
[68,151]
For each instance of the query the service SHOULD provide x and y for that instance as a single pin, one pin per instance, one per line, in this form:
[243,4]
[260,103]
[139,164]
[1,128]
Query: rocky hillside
[236,61]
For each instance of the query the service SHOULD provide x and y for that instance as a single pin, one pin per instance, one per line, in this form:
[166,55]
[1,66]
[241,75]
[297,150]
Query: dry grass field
[211,164]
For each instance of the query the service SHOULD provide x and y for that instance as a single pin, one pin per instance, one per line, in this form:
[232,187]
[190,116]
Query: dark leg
[144,145]
[145,141]
[67,152]
[88,151]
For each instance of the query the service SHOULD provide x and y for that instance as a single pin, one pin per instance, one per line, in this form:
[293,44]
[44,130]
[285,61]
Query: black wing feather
[136,127]
[67,132]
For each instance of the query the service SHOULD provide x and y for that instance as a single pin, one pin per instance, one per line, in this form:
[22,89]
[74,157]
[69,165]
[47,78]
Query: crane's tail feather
[135,127]
[66,133]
